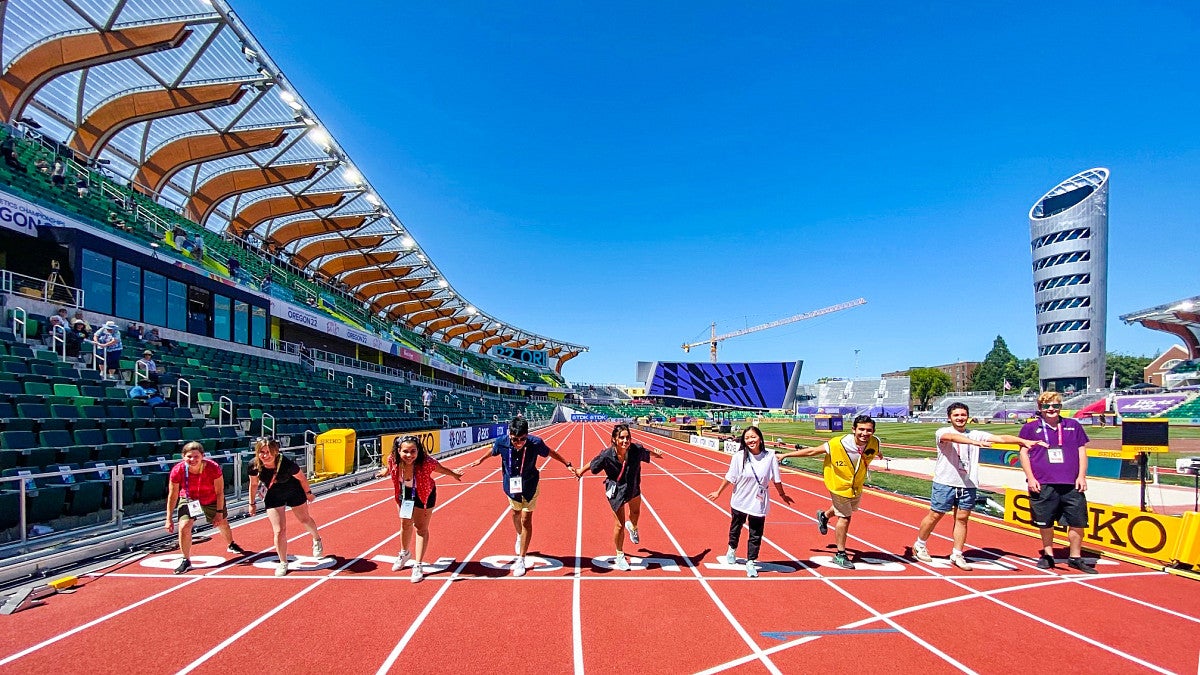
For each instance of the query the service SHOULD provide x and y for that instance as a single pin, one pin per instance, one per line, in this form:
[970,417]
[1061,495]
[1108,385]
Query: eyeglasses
[1051,406]
[518,439]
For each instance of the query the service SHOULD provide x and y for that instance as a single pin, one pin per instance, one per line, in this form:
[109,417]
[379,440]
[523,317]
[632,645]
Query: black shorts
[291,498]
[1058,500]
[428,504]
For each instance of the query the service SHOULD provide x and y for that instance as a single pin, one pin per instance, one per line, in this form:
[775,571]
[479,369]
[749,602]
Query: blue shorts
[944,498]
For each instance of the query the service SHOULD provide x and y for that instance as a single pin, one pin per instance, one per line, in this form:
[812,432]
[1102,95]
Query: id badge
[194,508]
[1054,455]
[611,490]
[406,508]
[762,493]
[514,486]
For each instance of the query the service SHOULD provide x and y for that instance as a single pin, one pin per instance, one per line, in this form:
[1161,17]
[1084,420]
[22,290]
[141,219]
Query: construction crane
[712,341]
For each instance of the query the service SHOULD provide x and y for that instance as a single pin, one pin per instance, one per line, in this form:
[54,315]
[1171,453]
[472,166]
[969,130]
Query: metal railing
[49,289]
[19,323]
[183,393]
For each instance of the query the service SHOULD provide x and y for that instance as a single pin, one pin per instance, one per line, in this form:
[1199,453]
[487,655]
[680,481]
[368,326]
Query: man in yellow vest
[846,461]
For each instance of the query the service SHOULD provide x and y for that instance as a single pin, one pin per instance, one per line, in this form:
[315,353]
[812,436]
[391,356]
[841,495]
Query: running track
[681,612]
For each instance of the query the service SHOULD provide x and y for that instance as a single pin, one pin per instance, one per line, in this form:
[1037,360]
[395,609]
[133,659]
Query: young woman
[751,470]
[282,483]
[622,466]
[412,469]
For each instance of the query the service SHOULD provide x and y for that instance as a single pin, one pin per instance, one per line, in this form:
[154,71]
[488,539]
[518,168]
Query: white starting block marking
[989,565]
[297,563]
[441,565]
[868,563]
[608,562]
[533,563]
[171,560]
[741,567]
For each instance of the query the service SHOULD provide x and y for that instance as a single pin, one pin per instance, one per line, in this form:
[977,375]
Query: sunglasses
[409,439]
[1051,406]
[518,439]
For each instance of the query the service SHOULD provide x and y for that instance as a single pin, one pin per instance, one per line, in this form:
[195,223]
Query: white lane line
[576,609]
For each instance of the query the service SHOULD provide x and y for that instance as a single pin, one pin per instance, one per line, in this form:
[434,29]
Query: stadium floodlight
[443,283]
[471,310]
[352,175]
[320,137]
[1185,306]
[374,201]
[408,242]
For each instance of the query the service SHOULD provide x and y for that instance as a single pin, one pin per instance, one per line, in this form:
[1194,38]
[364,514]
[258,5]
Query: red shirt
[423,472]
[201,486]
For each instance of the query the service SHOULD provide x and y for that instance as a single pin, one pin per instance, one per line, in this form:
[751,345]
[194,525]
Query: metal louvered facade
[1068,231]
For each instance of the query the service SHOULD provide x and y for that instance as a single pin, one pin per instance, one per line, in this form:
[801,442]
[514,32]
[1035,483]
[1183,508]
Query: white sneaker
[518,567]
[633,533]
[517,548]
[417,573]
[961,562]
[730,557]
[400,560]
[281,569]
[751,569]
[621,563]
[921,552]
[318,547]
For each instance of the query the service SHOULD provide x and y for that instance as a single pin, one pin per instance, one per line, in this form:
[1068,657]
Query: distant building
[960,373]
[1153,373]
[1068,241]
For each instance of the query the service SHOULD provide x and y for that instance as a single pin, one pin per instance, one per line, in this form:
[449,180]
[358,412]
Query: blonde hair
[261,443]
[1049,397]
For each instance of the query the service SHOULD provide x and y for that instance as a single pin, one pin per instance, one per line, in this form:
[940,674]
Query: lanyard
[623,464]
[400,479]
[762,482]
[187,481]
[1046,432]
[274,476]
[519,464]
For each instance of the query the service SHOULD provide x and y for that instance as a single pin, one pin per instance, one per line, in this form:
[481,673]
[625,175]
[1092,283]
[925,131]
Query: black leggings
[756,532]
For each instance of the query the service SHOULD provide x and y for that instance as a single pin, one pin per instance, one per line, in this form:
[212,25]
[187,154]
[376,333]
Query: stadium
[191,264]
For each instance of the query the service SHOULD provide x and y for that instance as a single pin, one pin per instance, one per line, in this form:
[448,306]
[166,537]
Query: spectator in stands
[76,337]
[426,397]
[196,246]
[152,337]
[411,470]
[137,391]
[281,484]
[751,472]
[59,319]
[1056,476]
[81,186]
[621,463]
[846,460]
[42,165]
[8,149]
[199,484]
[519,452]
[79,318]
[235,268]
[133,331]
[108,339]
[58,175]
[147,365]
[117,221]
[265,286]
[956,480]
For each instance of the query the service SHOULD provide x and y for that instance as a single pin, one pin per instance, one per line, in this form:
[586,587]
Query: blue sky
[620,176]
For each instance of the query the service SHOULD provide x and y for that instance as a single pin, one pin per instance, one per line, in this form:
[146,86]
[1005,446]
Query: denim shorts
[944,498]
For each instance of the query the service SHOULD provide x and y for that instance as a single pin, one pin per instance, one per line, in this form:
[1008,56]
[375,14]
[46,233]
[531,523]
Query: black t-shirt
[287,481]
[625,476]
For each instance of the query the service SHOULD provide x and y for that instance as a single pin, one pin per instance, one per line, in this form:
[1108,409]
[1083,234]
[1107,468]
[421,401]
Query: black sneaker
[234,548]
[841,560]
[1082,565]
[822,522]
[183,566]
[1045,562]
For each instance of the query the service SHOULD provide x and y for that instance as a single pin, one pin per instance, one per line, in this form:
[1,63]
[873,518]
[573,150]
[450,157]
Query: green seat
[66,390]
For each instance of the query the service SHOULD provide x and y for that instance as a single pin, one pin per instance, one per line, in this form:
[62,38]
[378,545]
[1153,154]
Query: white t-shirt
[851,448]
[751,481]
[957,464]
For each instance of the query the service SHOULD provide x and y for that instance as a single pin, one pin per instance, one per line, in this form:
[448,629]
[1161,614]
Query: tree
[1129,369]
[927,384]
[998,365]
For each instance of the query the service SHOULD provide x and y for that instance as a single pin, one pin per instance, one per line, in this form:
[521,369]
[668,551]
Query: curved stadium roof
[181,100]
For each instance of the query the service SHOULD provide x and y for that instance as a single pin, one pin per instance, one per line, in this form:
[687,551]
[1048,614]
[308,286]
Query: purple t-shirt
[1064,442]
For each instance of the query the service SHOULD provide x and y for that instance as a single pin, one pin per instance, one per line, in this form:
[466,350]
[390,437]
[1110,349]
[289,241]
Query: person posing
[200,484]
[108,340]
[1056,476]
[956,480]
[622,466]
[281,483]
[412,469]
[518,453]
[846,460]
[751,471]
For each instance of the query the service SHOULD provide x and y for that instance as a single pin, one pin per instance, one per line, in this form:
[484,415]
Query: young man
[200,483]
[519,453]
[846,461]
[956,480]
[1056,475]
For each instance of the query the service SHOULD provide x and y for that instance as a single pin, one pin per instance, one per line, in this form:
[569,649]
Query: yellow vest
[840,475]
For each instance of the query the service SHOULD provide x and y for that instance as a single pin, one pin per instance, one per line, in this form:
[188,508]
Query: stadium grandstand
[1179,397]
[879,397]
[161,173]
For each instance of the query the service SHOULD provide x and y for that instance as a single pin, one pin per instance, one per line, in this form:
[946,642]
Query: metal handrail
[183,393]
[224,410]
[19,317]
[263,423]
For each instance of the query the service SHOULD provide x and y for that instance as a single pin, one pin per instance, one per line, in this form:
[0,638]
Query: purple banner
[1148,405]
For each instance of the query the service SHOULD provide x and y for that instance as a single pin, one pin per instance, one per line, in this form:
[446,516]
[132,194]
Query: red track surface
[682,613]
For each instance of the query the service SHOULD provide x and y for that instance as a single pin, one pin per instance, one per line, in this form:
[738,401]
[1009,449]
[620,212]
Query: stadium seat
[84,496]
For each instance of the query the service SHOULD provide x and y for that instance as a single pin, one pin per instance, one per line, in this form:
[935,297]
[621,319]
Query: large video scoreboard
[748,385]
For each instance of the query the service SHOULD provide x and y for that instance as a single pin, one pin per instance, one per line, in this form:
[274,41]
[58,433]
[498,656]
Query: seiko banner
[25,217]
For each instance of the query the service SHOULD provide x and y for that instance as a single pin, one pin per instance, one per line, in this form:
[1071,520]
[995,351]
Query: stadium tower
[1068,231]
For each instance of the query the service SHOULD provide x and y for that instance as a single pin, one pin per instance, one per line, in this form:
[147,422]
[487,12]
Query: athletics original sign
[1123,528]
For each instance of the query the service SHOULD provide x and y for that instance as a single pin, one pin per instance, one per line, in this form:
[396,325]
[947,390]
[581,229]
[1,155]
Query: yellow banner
[1119,527]
[430,440]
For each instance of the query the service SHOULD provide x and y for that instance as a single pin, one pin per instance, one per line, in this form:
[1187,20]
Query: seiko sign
[301,317]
